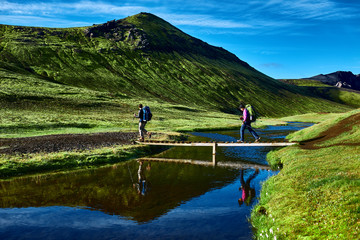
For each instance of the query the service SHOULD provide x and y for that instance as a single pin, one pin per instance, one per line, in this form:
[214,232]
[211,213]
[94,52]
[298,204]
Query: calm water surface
[156,200]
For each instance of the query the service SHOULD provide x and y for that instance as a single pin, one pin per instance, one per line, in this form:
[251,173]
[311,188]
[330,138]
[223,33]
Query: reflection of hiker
[143,119]
[142,186]
[247,193]
[246,123]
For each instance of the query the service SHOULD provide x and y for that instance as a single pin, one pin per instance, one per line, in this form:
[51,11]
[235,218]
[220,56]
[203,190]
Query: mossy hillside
[340,95]
[343,96]
[33,106]
[144,57]
[310,117]
[316,194]
[304,82]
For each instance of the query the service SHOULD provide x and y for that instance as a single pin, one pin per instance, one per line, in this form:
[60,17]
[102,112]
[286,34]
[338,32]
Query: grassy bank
[11,166]
[21,164]
[317,193]
[33,163]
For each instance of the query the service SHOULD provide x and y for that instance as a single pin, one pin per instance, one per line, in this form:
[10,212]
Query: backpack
[147,115]
[252,112]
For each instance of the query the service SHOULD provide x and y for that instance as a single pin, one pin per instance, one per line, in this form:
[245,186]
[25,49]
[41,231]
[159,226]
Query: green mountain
[139,57]
[345,96]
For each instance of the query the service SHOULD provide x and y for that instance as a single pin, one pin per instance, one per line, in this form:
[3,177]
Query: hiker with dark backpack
[247,118]
[144,116]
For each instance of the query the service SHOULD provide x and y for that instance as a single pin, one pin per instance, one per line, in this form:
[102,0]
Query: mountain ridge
[341,79]
[174,39]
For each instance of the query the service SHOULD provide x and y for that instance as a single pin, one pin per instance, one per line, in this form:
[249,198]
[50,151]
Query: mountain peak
[149,32]
[340,79]
[150,16]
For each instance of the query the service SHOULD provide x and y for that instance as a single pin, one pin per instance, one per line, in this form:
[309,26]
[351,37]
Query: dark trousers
[142,130]
[247,125]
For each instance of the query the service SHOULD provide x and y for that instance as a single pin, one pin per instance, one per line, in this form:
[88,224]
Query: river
[157,200]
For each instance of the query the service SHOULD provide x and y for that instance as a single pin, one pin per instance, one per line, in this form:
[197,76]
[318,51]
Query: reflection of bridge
[238,165]
[214,145]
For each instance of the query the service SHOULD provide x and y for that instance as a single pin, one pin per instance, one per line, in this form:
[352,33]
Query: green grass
[11,166]
[317,88]
[159,63]
[316,194]
[310,117]
[35,163]
[56,81]
[327,122]
[33,106]
[305,82]
[348,97]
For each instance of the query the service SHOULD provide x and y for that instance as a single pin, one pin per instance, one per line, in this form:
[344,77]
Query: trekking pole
[132,123]
[132,180]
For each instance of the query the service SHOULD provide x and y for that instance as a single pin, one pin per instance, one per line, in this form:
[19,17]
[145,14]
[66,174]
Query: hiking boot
[257,140]
[140,139]
[239,141]
[149,134]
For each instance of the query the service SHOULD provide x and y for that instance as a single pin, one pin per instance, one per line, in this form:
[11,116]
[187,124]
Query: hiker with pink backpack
[248,116]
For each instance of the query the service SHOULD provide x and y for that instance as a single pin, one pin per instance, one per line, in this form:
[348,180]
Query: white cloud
[29,8]
[311,9]
[253,14]
[203,21]
[33,21]
[105,8]
[80,8]
[271,65]
[18,13]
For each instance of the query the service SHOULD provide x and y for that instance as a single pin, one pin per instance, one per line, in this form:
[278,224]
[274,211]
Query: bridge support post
[214,154]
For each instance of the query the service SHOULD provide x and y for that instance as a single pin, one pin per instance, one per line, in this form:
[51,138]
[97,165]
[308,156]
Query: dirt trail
[64,142]
[345,125]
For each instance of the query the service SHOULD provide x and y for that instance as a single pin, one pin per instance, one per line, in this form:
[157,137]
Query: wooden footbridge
[214,146]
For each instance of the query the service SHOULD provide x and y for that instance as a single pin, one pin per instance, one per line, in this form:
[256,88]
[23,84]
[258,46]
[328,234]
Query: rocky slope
[340,79]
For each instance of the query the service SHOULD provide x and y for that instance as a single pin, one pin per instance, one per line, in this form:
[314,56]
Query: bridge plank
[220,144]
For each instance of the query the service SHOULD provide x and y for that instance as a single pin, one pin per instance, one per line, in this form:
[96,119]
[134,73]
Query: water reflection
[116,190]
[142,200]
[247,192]
[142,185]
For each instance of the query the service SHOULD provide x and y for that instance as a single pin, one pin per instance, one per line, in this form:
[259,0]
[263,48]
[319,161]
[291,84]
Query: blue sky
[281,38]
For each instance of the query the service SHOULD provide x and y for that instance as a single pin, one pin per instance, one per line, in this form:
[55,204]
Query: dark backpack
[147,115]
[252,112]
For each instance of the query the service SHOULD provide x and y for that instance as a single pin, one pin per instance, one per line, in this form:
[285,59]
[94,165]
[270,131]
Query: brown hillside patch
[345,125]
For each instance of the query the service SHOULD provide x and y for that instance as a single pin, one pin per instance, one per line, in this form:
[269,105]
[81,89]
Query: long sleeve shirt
[140,115]
[246,115]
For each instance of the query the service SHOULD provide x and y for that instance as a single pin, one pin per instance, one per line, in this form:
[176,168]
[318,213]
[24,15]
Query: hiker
[246,124]
[247,193]
[142,123]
